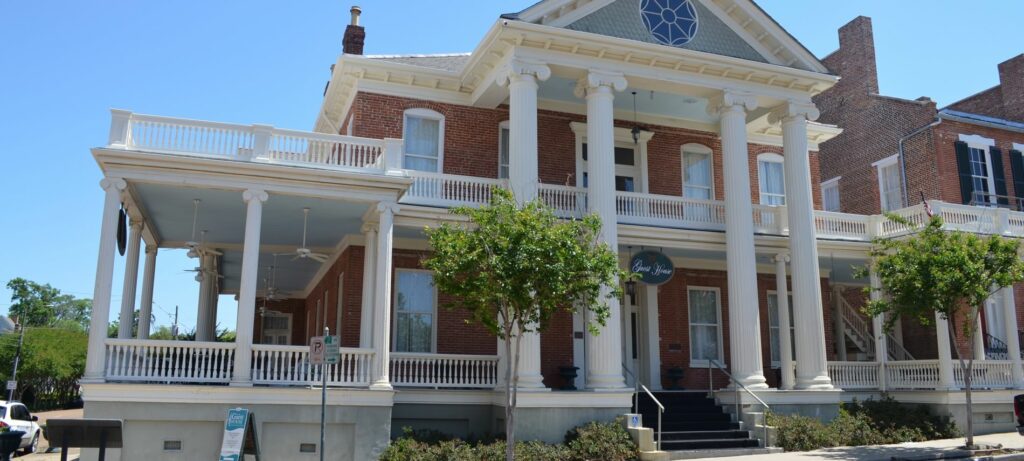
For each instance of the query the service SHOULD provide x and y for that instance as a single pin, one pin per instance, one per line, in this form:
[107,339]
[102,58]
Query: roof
[968,117]
[451,62]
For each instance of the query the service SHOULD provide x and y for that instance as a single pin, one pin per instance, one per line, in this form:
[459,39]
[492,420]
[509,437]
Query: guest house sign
[653,266]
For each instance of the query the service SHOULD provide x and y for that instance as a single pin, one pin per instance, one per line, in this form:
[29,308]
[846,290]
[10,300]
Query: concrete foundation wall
[353,432]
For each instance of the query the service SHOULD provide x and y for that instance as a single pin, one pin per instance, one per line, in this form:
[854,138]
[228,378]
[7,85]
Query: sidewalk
[886,452]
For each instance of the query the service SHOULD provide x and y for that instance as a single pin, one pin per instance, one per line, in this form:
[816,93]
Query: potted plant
[674,375]
[10,441]
[568,374]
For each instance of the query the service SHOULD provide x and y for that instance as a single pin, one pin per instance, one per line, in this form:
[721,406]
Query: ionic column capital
[790,111]
[782,257]
[151,249]
[136,224]
[387,207]
[517,68]
[117,183]
[731,100]
[596,79]
[368,227]
[255,194]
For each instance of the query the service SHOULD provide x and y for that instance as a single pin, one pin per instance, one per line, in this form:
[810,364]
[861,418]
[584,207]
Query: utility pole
[17,358]
[174,328]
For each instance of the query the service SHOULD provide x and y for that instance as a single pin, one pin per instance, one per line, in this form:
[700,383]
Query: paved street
[886,452]
[44,444]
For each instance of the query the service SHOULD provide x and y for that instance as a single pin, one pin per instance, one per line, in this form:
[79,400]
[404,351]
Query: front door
[627,171]
[631,338]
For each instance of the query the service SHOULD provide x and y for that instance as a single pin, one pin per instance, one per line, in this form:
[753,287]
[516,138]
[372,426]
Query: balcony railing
[266,144]
[132,360]
[918,374]
[289,366]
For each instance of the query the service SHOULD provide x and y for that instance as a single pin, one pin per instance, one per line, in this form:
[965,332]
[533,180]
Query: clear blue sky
[63,64]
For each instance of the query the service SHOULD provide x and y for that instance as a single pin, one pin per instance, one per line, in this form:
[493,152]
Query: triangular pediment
[735,28]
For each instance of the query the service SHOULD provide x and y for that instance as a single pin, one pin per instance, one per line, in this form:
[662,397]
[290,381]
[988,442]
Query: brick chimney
[857,54]
[1011,82]
[354,34]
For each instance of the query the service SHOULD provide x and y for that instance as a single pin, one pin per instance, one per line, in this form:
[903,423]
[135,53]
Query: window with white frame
[423,139]
[698,173]
[890,183]
[705,325]
[830,194]
[771,178]
[503,155]
[773,328]
[981,174]
[415,302]
[277,328]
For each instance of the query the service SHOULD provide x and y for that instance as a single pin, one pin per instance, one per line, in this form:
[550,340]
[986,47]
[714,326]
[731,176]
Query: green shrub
[872,422]
[592,441]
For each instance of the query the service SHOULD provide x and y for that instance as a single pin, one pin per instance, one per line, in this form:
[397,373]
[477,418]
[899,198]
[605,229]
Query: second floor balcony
[264,144]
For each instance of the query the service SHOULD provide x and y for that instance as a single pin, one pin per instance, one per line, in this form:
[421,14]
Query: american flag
[927,207]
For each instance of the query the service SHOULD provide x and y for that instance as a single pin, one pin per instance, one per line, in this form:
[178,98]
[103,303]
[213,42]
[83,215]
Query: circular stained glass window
[671,22]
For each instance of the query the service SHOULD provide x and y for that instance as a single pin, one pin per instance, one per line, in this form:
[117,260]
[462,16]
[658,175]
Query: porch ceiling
[648,102]
[168,210]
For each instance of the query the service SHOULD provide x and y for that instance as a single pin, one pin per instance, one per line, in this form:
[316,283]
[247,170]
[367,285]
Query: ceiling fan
[272,293]
[200,272]
[197,249]
[302,252]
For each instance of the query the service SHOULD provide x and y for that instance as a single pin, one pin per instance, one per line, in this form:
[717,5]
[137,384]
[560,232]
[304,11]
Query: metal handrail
[636,401]
[741,386]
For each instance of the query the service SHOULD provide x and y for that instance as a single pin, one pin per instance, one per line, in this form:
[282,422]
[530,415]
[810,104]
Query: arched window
[771,179]
[423,136]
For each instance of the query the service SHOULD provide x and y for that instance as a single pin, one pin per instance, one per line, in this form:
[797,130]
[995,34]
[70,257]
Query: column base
[610,382]
[753,382]
[817,383]
[531,382]
[381,386]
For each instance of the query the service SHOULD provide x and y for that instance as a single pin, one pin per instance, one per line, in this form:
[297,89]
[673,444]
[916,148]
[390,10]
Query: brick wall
[349,266]
[471,143]
[296,307]
[943,137]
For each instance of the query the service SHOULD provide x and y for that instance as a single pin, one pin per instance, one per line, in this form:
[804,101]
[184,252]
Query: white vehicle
[15,416]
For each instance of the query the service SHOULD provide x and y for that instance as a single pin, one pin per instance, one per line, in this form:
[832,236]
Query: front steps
[693,421]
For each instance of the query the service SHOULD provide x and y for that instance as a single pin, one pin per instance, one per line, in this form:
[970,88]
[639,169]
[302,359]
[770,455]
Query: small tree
[951,273]
[511,268]
[52,362]
[41,305]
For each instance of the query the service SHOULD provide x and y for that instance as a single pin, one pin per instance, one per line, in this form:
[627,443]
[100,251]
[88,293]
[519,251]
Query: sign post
[324,350]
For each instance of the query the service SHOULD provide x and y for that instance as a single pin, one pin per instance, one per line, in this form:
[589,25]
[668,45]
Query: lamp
[631,284]
[636,127]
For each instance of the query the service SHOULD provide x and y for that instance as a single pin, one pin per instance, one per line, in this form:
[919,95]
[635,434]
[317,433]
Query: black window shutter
[999,175]
[963,165]
[1017,169]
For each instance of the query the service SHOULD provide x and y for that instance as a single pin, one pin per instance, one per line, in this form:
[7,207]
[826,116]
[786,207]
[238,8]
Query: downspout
[903,160]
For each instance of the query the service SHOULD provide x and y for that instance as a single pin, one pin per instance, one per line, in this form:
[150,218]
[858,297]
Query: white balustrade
[567,201]
[986,374]
[169,361]
[854,375]
[668,210]
[912,374]
[770,219]
[444,370]
[289,366]
[896,350]
[841,225]
[250,143]
[437,189]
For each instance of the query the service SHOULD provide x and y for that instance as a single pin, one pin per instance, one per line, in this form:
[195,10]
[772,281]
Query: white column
[945,353]
[604,351]
[522,76]
[878,331]
[382,297]
[529,362]
[254,199]
[131,279]
[785,343]
[979,341]
[812,363]
[95,360]
[146,300]
[203,306]
[741,261]
[1012,339]
[653,337]
[369,272]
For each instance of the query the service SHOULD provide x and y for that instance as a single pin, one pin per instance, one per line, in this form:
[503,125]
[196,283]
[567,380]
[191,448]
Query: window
[630,158]
[771,179]
[773,328]
[503,146]
[415,299]
[980,174]
[423,139]
[705,326]
[697,172]
[890,184]
[830,194]
[277,328]
[626,174]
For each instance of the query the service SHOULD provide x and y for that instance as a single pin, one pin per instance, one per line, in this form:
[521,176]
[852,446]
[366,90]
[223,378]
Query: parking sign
[316,350]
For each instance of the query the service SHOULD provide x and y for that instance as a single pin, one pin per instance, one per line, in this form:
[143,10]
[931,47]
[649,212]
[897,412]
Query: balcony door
[627,169]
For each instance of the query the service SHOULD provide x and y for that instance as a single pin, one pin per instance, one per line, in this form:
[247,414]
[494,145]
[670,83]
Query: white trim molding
[978,141]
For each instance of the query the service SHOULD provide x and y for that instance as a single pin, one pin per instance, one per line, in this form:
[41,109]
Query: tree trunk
[965,367]
[510,436]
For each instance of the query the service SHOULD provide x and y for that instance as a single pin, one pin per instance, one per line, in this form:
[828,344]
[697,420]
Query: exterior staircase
[693,423]
[858,331]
